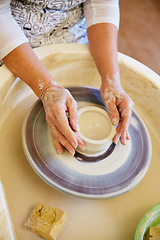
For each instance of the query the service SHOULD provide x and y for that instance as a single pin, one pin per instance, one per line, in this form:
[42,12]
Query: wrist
[111,79]
[44,87]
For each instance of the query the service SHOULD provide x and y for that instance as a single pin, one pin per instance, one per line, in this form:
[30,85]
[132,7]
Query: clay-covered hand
[119,106]
[57,101]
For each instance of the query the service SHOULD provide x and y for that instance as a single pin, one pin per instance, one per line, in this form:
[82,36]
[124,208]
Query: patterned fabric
[49,21]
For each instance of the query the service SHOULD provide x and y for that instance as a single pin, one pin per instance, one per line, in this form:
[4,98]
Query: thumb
[73,115]
[113,111]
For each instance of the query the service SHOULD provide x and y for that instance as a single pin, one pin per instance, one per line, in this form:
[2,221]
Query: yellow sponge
[153,233]
[46,221]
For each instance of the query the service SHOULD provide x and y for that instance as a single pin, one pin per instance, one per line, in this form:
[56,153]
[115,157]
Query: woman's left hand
[119,106]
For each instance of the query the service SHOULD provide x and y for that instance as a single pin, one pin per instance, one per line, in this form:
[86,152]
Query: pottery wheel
[106,175]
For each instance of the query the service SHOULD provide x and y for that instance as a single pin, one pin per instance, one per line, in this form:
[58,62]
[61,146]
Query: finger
[126,118]
[113,112]
[125,108]
[124,130]
[123,139]
[127,136]
[109,100]
[81,144]
[73,114]
[60,139]
[58,146]
[62,124]
[118,134]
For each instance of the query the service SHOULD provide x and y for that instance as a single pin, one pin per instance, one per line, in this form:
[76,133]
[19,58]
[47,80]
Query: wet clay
[94,125]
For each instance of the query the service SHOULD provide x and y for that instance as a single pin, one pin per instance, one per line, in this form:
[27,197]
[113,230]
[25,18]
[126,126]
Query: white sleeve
[101,11]
[11,35]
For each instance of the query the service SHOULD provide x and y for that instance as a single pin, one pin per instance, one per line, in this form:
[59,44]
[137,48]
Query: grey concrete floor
[139,33]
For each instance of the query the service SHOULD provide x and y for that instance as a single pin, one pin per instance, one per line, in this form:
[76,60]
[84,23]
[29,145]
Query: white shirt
[42,22]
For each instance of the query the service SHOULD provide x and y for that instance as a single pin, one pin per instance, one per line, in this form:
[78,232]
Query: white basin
[116,218]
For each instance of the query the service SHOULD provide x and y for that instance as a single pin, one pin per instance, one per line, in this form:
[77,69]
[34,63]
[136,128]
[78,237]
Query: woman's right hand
[57,101]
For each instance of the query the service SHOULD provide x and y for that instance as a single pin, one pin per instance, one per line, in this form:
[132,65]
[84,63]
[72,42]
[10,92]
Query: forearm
[24,63]
[103,47]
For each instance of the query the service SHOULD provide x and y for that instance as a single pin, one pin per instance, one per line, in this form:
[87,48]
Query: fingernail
[77,127]
[72,153]
[115,120]
[74,144]
[115,140]
[124,140]
[82,147]
[59,152]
